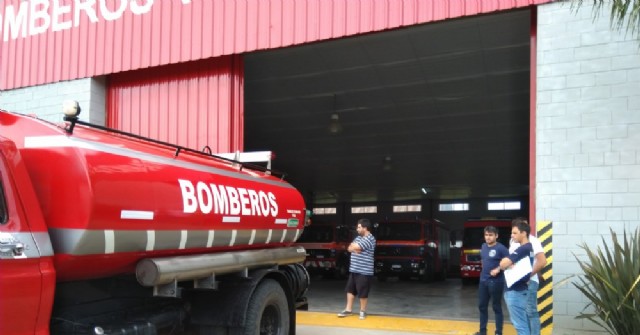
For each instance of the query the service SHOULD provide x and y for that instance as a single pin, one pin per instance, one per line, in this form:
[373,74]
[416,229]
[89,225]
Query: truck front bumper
[399,267]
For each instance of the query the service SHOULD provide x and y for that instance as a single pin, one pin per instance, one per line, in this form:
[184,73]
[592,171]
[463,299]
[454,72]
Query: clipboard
[518,271]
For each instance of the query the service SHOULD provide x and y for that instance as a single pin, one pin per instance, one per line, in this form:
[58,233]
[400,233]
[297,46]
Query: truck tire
[268,311]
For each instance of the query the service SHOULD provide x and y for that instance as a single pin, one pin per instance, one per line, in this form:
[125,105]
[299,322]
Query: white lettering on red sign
[226,200]
[35,17]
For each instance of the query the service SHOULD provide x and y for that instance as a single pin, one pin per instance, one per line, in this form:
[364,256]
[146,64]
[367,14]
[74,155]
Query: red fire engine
[412,248]
[472,240]
[104,232]
[326,245]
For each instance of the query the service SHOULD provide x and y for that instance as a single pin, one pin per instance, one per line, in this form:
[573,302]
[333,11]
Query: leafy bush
[610,282]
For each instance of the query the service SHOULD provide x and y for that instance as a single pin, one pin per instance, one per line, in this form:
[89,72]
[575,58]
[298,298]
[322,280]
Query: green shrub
[610,282]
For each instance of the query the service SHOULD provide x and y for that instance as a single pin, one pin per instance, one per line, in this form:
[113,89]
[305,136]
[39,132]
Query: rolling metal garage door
[191,104]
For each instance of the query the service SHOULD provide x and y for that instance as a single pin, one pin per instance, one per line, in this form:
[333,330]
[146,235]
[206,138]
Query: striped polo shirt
[362,262]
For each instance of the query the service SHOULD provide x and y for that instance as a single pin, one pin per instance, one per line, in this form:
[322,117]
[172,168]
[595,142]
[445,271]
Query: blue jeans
[517,302]
[532,309]
[490,290]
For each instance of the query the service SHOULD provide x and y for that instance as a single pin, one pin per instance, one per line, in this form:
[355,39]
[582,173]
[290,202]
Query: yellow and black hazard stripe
[545,291]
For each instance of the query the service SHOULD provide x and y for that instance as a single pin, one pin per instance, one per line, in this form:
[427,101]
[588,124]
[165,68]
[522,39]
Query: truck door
[24,275]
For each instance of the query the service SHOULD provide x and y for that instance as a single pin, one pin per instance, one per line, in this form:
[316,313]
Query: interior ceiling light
[424,190]
[334,123]
[386,163]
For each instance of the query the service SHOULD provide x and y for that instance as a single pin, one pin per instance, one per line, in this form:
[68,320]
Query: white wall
[588,142]
[45,101]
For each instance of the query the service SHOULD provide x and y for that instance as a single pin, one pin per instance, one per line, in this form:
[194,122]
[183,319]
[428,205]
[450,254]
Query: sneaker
[363,315]
[344,313]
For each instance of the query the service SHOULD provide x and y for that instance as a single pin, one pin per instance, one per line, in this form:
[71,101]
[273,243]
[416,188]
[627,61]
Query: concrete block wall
[45,101]
[588,142]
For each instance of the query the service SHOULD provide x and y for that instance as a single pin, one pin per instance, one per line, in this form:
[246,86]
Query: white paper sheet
[518,271]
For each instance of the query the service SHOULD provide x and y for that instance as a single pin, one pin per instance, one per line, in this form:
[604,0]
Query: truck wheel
[268,311]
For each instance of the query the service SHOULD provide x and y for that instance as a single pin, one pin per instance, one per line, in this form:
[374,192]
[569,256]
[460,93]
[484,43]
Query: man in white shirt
[539,262]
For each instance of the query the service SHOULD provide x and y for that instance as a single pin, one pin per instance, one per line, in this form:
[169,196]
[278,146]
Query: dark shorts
[359,285]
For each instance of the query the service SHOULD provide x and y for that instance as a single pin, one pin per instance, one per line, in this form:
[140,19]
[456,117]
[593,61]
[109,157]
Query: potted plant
[611,282]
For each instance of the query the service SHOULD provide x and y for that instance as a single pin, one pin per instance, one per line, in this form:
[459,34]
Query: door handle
[11,250]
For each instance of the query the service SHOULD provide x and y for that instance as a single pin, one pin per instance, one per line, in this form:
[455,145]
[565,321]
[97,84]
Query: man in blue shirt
[491,280]
[517,295]
[361,268]
[539,262]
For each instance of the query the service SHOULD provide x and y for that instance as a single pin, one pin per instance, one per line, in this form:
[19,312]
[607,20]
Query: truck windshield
[398,231]
[474,237]
[316,234]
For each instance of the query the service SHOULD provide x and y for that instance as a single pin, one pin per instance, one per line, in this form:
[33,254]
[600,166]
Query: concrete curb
[382,322]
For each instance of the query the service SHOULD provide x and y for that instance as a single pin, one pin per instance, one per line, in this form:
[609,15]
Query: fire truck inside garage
[425,123]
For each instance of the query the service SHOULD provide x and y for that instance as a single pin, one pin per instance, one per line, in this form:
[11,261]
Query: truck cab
[472,240]
[28,275]
[412,248]
[326,245]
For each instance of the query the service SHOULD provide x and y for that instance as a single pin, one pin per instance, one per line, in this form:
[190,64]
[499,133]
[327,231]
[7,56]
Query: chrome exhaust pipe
[165,270]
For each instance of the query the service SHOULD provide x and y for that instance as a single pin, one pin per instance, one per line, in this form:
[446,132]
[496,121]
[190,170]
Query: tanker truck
[106,232]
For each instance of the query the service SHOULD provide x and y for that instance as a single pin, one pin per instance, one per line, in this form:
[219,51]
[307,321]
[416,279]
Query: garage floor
[450,299]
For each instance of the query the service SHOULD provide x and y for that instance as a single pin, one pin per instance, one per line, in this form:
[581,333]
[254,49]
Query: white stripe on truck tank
[109,241]
[91,242]
[151,240]
[210,236]
[184,235]
[234,233]
[136,215]
[63,141]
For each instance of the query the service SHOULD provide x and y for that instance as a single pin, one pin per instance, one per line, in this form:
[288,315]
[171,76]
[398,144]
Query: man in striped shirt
[361,269]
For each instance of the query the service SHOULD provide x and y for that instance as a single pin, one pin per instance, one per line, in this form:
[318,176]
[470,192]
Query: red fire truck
[472,240]
[326,245]
[104,232]
[412,248]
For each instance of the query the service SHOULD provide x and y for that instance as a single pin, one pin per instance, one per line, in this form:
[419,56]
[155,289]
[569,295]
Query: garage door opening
[429,115]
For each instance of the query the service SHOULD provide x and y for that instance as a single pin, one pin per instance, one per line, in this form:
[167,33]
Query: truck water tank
[110,200]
